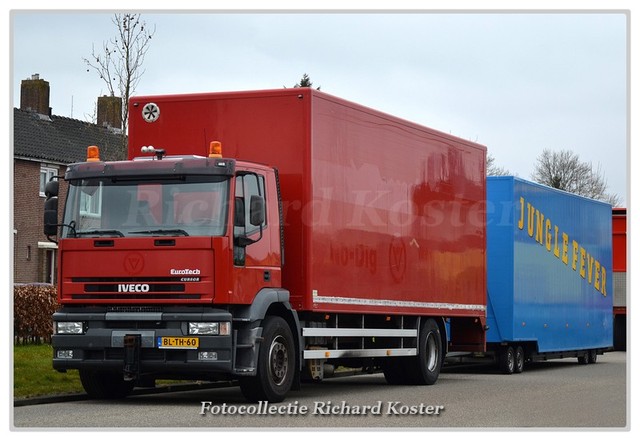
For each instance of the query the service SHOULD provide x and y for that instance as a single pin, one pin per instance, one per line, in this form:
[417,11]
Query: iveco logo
[133,263]
[133,287]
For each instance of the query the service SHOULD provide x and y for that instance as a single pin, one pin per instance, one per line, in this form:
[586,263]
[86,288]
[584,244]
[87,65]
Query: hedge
[33,306]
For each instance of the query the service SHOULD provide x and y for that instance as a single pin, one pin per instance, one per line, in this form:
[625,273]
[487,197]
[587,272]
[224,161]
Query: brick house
[43,145]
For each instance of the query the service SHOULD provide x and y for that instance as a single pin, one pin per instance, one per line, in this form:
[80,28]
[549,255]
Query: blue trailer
[549,274]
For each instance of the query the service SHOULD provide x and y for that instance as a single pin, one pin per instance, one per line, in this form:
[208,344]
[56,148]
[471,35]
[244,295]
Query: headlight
[209,328]
[69,328]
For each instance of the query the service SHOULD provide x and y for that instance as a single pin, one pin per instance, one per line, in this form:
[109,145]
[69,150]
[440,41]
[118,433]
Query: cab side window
[247,186]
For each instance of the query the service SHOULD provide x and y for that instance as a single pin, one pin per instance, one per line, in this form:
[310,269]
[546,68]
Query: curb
[48,399]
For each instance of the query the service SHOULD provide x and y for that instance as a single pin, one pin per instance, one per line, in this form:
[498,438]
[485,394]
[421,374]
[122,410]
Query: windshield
[186,206]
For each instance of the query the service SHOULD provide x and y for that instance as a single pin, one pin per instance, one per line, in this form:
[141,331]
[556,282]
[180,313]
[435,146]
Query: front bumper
[103,347]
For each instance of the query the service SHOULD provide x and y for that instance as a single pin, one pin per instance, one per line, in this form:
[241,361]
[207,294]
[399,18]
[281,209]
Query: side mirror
[256,210]
[51,189]
[51,215]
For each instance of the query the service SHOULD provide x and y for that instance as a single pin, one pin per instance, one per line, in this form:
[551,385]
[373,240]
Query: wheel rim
[432,352]
[519,359]
[278,360]
[510,360]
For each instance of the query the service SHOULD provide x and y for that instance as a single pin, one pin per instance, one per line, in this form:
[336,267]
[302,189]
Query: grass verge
[34,376]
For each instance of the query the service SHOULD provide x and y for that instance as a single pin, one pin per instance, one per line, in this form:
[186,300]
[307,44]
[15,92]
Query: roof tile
[62,139]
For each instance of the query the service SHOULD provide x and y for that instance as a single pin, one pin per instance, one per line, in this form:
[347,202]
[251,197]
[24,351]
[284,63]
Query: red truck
[260,235]
[619,226]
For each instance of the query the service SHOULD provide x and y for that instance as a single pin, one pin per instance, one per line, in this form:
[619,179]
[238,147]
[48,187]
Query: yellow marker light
[215,149]
[93,153]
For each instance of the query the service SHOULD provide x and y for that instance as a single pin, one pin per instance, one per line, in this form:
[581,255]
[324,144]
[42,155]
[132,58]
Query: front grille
[143,289]
[122,287]
[134,308]
[136,297]
[126,279]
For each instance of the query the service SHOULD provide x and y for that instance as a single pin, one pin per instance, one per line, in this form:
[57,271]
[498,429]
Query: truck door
[251,240]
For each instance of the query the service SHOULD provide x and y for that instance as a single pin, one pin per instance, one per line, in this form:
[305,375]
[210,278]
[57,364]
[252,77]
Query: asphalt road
[553,394]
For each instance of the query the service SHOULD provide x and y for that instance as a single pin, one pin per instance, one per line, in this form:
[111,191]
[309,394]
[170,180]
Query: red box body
[619,226]
[380,214]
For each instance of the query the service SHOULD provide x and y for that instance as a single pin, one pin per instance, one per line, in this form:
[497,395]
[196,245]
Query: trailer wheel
[584,359]
[506,360]
[593,356]
[276,363]
[519,360]
[105,385]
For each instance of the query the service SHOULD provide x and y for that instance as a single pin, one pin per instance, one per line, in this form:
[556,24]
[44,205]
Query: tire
[275,366]
[593,356]
[424,369]
[105,385]
[507,360]
[584,359]
[518,366]
[394,370]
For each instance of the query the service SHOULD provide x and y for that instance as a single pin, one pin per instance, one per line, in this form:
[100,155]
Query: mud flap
[468,334]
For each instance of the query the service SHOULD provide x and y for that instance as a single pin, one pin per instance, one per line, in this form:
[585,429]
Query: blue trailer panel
[549,263]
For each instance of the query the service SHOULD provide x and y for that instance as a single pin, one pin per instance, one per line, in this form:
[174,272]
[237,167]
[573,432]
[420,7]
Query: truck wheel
[519,360]
[593,356]
[105,385]
[276,363]
[425,368]
[584,359]
[506,360]
[394,370]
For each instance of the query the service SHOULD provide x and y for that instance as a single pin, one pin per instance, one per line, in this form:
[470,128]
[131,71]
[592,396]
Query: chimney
[110,111]
[34,95]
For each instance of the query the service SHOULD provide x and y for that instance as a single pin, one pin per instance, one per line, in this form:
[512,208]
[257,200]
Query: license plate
[178,342]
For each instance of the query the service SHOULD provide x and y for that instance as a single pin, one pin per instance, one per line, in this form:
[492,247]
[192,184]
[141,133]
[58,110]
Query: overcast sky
[515,82]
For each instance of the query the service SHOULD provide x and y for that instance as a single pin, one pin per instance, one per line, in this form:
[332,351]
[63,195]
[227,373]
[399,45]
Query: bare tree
[119,62]
[564,170]
[493,169]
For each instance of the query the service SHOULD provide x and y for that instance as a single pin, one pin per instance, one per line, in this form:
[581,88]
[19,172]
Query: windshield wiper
[99,233]
[174,231]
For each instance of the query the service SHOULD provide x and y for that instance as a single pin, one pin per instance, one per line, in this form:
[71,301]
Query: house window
[46,173]
[50,266]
